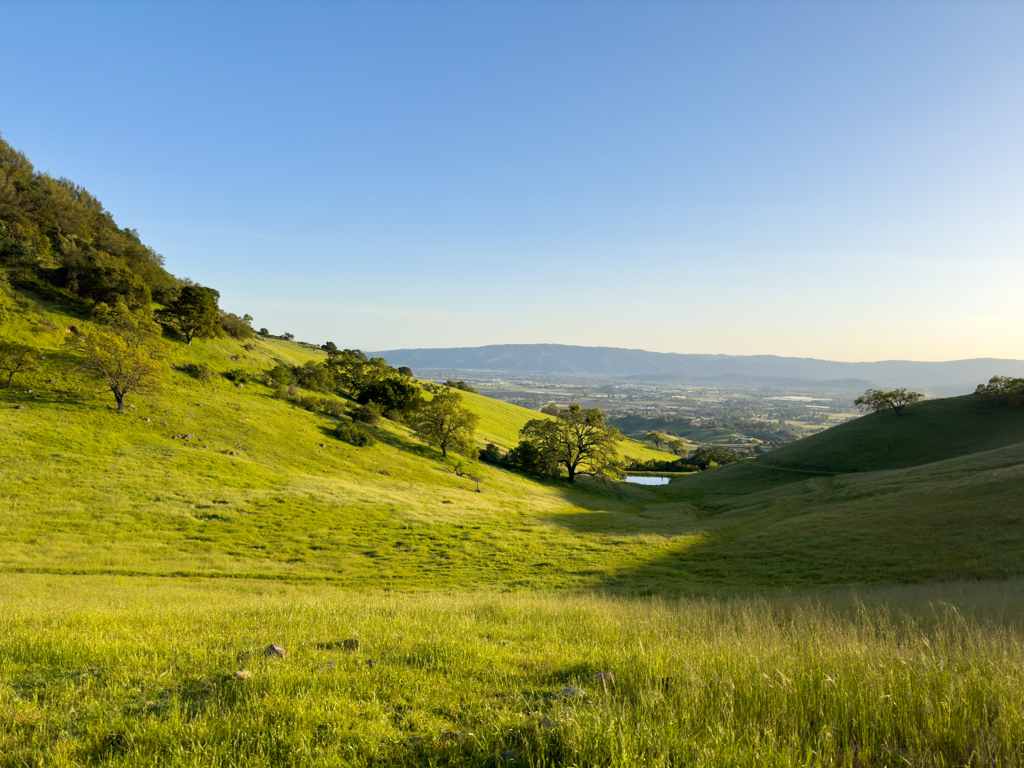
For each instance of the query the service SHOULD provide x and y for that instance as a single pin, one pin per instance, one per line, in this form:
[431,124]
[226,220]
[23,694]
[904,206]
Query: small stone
[28,391]
[243,674]
[371,663]
[326,665]
[509,756]
[605,678]
[163,421]
[275,651]
[51,381]
[19,407]
[352,644]
[572,692]
[232,453]
[133,407]
[321,445]
[449,736]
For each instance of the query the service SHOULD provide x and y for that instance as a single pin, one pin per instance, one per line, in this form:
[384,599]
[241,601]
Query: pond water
[646,480]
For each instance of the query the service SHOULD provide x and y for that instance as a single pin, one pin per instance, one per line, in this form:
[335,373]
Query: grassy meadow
[851,599]
[119,671]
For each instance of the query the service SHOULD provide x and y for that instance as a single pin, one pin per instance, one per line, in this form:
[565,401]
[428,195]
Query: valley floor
[142,671]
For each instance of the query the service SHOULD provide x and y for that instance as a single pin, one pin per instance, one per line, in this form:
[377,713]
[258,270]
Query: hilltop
[960,375]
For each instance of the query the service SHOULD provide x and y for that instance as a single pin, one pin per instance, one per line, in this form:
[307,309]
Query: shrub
[461,385]
[201,372]
[368,413]
[236,327]
[406,371]
[280,375]
[491,454]
[315,376]
[355,435]
[309,402]
[332,407]
[292,391]
[238,376]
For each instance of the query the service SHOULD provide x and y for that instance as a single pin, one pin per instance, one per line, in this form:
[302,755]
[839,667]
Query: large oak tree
[577,440]
[194,313]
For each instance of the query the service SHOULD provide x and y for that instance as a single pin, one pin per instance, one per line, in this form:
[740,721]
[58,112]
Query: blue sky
[834,180]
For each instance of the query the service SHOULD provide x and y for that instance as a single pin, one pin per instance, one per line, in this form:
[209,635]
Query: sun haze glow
[840,180]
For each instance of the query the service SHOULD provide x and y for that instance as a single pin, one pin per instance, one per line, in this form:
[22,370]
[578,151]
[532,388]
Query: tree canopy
[396,395]
[16,358]
[879,400]
[54,228]
[999,386]
[445,424]
[122,351]
[194,313]
[577,441]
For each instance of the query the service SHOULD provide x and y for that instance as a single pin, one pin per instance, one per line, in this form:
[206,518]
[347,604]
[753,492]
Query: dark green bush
[369,413]
[236,327]
[201,372]
[309,402]
[491,454]
[355,435]
[332,407]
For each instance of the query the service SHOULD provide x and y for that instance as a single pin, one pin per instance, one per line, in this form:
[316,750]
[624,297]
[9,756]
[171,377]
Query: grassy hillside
[147,560]
[934,430]
[292,502]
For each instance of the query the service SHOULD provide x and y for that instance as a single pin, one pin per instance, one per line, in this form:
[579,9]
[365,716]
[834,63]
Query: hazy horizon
[834,181]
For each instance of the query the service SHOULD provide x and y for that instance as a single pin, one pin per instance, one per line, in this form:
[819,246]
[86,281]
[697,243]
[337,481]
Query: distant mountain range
[952,377]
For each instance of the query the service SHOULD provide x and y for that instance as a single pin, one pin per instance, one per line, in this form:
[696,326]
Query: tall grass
[113,671]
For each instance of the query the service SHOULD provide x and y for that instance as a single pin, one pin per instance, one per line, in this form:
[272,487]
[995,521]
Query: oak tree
[879,400]
[445,424]
[577,441]
[122,351]
[17,358]
[194,314]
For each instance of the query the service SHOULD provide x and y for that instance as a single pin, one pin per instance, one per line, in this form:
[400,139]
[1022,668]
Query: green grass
[935,430]
[137,572]
[141,672]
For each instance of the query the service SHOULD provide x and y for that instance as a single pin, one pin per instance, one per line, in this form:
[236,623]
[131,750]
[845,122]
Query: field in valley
[851,599]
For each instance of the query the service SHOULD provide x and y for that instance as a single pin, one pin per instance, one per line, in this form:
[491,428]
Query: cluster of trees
[880,400]
[1005,389]
[53,232]
[660,440]
[451,384]
[703,458]
[576,442]
[55,235]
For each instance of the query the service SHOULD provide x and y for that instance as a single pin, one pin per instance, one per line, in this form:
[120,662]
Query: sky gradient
[833,180]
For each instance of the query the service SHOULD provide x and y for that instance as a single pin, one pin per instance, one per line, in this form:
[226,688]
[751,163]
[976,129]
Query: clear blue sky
[826,179]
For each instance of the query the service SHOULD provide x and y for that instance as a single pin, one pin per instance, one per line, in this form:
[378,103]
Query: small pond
[646,480]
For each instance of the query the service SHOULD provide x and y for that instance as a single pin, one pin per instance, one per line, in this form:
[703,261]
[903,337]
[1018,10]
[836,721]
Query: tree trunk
[120,401]
[10,379]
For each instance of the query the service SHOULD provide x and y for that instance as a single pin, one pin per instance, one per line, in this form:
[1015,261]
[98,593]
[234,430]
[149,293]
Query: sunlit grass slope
[141,672]
[87,490]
